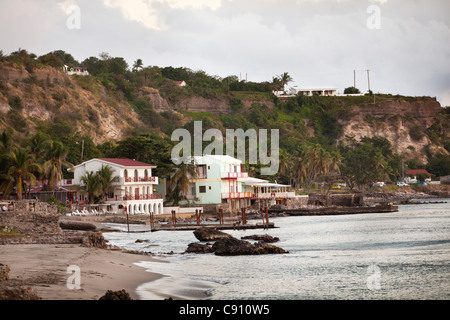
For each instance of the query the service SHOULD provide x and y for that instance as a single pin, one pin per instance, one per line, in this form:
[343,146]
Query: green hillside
[109,114]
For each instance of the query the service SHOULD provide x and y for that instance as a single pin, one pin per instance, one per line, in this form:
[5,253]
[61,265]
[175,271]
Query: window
[202,189]
[209,187]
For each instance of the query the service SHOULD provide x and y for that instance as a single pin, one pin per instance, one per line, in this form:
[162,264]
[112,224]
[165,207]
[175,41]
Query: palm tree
[106,180]
[138,64]
[5,140]
[179,182]
[286,166]
[22,167]
[38,144]
[285,78]
[56,155]
[91,185]
[314,161]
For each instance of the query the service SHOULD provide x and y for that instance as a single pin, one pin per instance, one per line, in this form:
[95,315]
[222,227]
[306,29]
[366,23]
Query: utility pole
[82,149]
[354,78]
[368,79]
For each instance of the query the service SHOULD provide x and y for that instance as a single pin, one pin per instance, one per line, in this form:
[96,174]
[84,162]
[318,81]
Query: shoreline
[44,267]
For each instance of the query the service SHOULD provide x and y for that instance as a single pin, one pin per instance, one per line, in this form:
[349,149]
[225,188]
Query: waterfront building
[133,190]
[222,183]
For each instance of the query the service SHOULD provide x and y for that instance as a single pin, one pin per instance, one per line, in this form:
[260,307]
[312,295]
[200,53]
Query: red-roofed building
[134,189]
[415,172]
[411,175]
[181,83]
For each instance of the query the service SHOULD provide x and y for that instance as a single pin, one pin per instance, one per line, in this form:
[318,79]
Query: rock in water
[262,237]
[210,234]
[234,247]
[198,248]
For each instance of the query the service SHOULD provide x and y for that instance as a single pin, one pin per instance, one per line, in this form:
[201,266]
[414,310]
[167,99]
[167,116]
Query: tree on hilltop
[351,90]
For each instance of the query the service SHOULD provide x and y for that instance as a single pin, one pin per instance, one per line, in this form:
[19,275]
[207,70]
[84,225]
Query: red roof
[127,162]
[415,172]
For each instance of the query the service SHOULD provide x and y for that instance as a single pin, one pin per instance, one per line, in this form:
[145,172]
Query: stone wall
[337,199]
[31,217]
[34,206]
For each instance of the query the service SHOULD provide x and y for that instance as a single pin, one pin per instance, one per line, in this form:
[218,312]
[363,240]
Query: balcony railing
[236,195]
[270,195]
[234,175]
[141,179]
[143,196]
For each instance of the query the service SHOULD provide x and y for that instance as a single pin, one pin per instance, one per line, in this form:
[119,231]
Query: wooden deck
[339,210]
[226,226]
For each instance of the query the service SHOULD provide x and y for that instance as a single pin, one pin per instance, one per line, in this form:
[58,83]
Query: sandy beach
[44,267]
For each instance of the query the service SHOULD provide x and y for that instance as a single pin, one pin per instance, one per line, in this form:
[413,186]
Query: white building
[134,189]
[310,91]
[80,71]
[220,180]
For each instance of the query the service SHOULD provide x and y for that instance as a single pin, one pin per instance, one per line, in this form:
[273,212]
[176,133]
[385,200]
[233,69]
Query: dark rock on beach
[116,295]
[95,240]
[4,272]
[210,234]
[19,293]
[77,225]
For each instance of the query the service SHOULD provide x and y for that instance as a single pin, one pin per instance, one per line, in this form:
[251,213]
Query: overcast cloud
[318,42]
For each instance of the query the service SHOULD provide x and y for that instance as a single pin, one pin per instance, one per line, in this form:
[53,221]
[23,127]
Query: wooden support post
[261,212]
[267,217]
[174,218]
[152,220]
[244,216]
[128,221]
[197,217]
[221,216]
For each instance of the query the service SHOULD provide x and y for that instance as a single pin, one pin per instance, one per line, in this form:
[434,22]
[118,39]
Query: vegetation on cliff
[61,120]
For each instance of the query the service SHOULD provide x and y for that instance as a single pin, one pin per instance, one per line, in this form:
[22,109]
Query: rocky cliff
[49,95]
[404,123]
[31,98]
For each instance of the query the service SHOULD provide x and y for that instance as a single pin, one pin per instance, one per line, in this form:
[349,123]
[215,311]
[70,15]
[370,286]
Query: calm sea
[401,255]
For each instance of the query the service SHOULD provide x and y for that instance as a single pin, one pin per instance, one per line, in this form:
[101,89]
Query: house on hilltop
[80,71]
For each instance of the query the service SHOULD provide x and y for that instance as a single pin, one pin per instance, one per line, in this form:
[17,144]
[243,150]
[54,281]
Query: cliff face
[49,95]
[403,123]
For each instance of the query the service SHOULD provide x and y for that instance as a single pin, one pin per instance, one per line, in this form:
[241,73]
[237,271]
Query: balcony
[140,180]
[236,195]
[234,175]
[153,196]
[276,195]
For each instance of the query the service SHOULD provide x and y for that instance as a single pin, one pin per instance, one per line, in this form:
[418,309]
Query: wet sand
[44,267]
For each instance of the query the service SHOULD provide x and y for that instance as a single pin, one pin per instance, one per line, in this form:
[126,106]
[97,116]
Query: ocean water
[400,255]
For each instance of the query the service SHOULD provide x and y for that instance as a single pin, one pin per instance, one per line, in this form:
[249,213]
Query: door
[136,194]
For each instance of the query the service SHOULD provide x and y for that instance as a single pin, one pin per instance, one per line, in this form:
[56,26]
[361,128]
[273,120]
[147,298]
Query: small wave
[175,288]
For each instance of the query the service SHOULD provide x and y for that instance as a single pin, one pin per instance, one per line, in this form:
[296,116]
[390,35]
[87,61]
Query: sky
[405,44]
